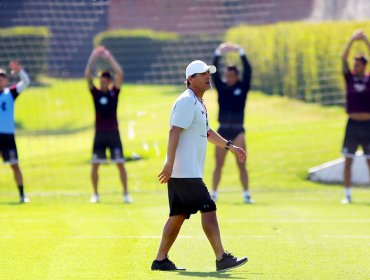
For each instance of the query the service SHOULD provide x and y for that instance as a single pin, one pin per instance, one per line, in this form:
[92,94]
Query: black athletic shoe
[165,265]
[228,261]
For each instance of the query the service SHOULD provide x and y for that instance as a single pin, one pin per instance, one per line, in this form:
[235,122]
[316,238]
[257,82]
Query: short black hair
[3,73]
[105,74]
[232,68]
[187,81]
[361,59]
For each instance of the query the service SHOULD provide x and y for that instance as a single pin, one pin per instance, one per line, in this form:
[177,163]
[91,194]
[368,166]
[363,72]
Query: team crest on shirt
[359,87]
[103,100]
[237,91]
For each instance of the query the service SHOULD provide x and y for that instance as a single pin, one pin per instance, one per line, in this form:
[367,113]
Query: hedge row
[135,50]
[29,45]
[300,59]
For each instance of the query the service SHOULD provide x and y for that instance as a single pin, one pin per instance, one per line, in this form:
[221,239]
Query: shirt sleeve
[216,76]
[24,81]
[13,91]
[247,72]
[116,90]
[183,113]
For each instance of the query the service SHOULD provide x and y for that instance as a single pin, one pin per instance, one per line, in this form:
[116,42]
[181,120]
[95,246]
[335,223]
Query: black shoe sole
[229,268]
[178,269]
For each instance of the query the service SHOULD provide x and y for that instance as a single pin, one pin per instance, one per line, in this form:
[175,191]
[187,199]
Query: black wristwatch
[229,142]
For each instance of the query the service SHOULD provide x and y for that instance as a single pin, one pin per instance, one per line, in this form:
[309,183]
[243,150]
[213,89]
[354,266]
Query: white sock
[215,194]
[347,192]
[246,193]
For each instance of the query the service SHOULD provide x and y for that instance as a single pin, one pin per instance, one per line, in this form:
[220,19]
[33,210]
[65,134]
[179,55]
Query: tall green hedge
[299,59]
[27,44]
[135,50]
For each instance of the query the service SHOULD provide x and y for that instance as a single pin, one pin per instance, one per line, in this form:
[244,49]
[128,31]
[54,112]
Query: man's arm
[89,66]
[173,141]
[218,140]
[23,76]
[356,36]
[247,70]
[216,62]
[118,72]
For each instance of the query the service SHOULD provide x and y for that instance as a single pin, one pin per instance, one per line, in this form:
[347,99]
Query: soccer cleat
[165,265]
[24,199]
[248,199]
[127,198]
[95,198]
[228,261]
[347,200]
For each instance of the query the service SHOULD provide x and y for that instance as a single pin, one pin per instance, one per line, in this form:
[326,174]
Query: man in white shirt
[184,167]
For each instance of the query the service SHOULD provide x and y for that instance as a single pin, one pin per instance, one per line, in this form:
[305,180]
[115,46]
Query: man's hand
[239,152]
[358,35]
[15,67]
[165,174]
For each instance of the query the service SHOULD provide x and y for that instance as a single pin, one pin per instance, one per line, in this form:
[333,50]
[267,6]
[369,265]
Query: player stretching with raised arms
[8,95]
[232,96]
[358,110]
[106,125]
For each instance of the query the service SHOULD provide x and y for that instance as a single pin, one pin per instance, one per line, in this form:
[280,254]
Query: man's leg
[243,173]
[169,235]
[211,229]
[220,159]
[123,177]
[347,178]
[18,178]
[95,177]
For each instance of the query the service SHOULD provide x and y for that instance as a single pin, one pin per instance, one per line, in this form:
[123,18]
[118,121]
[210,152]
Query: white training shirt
[189,113]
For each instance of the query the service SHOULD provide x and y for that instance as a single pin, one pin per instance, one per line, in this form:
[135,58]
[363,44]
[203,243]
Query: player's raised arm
[118,72]
[23,76]
[90,63]
[358,35]
[247,69]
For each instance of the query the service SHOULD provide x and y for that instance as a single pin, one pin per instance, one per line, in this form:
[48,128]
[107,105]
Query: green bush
[299,59]
[29,45]
[135,50]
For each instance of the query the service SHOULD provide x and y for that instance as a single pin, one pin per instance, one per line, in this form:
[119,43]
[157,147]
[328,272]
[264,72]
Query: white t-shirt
[189,113]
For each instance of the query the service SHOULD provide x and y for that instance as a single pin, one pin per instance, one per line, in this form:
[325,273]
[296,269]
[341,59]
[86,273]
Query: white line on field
[294,220]
[181,236]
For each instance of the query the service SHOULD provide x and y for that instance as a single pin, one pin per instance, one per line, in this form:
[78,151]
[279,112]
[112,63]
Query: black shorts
[230,132]
[188,196]
[8,148]
[107,140]
[357,134]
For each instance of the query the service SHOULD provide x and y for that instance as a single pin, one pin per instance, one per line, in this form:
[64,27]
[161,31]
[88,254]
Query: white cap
[198,66]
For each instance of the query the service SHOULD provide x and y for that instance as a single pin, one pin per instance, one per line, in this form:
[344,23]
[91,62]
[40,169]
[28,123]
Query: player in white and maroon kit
[106,125]
[358,110]
[8,148]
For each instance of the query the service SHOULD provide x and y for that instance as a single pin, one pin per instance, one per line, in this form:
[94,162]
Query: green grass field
[296,230]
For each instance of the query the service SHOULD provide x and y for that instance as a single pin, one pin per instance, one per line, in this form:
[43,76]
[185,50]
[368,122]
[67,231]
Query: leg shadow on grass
[221,275]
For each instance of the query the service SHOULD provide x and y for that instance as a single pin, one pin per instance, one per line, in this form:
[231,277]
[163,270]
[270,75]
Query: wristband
[228,145]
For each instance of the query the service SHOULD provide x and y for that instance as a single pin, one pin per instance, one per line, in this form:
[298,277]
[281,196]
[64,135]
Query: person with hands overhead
[232,95]
[107,134]
[8,96]
[358,109]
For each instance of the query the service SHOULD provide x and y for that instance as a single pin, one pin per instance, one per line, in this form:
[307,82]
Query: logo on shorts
[117,153]
[237,91]
[103,100]
[12,155]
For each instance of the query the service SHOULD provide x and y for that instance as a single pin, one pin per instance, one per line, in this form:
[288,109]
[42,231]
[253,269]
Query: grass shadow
[214,274]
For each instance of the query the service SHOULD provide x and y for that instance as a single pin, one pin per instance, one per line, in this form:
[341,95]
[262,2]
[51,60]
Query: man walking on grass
[107,135]
[8,95]
[358,110]
[184,167]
